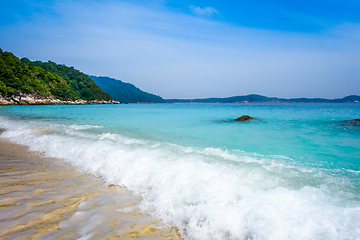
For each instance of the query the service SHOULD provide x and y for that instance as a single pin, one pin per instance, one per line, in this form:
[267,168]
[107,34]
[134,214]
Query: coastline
[47,198]
[34,99]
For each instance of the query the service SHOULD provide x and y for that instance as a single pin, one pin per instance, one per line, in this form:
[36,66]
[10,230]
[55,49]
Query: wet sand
[45,198]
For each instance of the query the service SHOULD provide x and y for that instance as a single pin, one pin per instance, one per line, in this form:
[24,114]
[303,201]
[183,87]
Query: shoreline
[47,198]
[19,98]
[50,101]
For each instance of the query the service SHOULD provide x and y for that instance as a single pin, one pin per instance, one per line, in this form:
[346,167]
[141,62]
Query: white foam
[78,127]
[208,193]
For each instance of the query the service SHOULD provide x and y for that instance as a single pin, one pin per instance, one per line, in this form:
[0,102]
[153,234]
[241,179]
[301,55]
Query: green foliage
[16,75]
[81,86]
[125,92]
[46,78]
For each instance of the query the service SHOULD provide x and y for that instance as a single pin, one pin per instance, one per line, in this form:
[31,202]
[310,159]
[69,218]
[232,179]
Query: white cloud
[203,11]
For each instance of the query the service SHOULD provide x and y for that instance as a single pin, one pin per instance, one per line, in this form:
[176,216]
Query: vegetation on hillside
[125,92]
[47,79]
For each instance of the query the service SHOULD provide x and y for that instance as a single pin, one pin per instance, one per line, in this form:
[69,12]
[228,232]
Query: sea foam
[207,193]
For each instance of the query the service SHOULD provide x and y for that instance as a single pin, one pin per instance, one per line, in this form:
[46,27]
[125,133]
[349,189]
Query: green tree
[46,78]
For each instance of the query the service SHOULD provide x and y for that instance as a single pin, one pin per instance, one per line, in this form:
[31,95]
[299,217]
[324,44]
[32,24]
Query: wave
[207,193]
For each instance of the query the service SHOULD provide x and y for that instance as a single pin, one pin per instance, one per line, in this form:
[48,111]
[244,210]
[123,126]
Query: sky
[196,49]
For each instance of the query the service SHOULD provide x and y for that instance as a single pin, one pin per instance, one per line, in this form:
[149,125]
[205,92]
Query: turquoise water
[290,173]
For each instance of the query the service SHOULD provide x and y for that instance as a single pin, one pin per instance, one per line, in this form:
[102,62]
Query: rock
[39,101]
[36,99]
[17,94]
[16,99]
[243,118]
[95,102]
[36,96]
[3,101]
[80,101]
[352,122]
[27,100]
[355,122]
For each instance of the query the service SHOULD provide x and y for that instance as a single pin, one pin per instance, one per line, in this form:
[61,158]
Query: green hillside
[48,79]
[125,92]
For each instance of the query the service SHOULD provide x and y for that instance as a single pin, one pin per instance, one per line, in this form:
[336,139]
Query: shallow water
[290,173]
[44,198]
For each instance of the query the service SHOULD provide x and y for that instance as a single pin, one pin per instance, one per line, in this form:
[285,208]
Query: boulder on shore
[243,118]
[3,101]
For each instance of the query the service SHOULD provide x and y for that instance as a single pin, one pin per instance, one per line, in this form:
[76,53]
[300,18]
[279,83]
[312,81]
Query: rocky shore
[35,99]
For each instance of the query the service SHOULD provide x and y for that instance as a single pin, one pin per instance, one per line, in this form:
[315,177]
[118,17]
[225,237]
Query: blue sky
[195,49]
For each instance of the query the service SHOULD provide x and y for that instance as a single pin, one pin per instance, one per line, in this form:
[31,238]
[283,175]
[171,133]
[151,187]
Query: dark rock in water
[353,122]
[243,118]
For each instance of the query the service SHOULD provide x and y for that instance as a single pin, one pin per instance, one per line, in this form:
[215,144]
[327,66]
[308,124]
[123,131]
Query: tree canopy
[48,79]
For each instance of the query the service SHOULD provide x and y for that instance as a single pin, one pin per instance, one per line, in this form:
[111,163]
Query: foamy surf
[44,198]
[207,193]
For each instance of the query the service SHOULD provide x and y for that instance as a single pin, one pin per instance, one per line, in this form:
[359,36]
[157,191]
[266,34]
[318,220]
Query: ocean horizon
[291,172]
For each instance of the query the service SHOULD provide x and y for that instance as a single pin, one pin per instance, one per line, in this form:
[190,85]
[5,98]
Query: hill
[47,79]
[125,92]
[254,98]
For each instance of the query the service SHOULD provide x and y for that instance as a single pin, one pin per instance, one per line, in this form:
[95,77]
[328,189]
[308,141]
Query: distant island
[255,98]
[127,92]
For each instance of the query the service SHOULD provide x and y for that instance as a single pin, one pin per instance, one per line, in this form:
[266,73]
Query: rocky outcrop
[4,101]
[35,99]
[355,122]
[243,118]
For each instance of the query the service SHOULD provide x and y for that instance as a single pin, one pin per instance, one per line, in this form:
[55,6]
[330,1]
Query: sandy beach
[45,198]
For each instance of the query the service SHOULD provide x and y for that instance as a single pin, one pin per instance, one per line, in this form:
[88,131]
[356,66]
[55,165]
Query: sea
[292,172]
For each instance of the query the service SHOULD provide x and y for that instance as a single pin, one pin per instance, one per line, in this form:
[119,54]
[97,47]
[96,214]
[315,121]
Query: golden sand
[46,198]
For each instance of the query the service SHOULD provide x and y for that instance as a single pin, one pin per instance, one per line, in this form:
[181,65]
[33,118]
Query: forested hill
[125,92]
[47,79]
